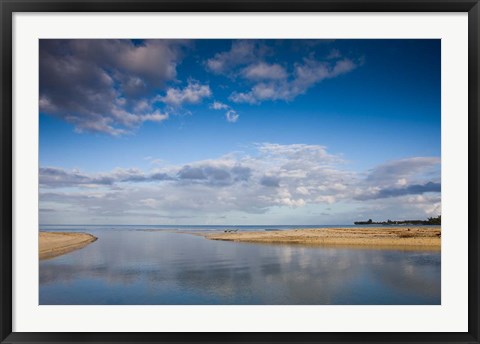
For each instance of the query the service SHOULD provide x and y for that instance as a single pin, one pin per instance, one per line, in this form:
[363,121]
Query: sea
[167,265]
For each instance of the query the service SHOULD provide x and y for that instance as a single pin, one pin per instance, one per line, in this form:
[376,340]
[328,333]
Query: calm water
[128,265]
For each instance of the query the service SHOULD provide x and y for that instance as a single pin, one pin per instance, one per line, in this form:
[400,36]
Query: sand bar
[53,244]
[427,238]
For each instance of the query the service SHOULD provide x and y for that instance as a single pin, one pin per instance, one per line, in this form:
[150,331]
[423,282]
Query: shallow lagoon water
[138,267]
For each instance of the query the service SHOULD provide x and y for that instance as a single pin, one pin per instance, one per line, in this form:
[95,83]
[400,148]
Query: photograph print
[239,172]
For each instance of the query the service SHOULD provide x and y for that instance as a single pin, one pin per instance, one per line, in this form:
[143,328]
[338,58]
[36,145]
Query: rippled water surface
[145,267]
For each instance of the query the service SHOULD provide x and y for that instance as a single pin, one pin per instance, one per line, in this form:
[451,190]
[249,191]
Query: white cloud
[106,85]
[264,71]
[275,81]
[404,171]
[219,106]
[156,116]
[293,176]
[130,120]
[240,53]
[149,202]
[302,190]
[193,93]
[249,98]
[142,105]
[232,116]
[408,207]
[304,76]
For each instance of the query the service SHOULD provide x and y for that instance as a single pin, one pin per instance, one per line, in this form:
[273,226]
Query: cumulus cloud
[219,106]
[152,62]
[214,173]
[114,86]
[407,207]
[241,52]
[287,87]
[57,177]
[415,189]
[299,155]
[292,176]
[270,81]
[270,181]
[217,172]
[105,85]
[193,93]
[264,71]
[400,172]
[230,115]
[54,177]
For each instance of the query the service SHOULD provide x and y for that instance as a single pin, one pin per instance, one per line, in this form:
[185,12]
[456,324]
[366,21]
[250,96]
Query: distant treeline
[431,221]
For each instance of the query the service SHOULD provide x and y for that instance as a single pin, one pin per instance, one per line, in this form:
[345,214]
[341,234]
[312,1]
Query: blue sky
[239,131]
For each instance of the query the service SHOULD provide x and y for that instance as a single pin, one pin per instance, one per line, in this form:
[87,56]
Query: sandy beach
[53,244]
[427,238]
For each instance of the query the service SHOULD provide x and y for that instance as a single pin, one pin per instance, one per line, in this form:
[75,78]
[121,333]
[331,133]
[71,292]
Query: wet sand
[427,238]
[53,244]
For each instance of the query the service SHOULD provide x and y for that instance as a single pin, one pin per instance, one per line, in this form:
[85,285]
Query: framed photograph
[239,171]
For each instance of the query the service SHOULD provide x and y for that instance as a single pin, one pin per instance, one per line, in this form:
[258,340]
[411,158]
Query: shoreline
[54,244]
[422,238]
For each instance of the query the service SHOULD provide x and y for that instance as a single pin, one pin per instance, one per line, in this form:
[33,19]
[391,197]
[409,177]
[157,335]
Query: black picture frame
[9,7]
